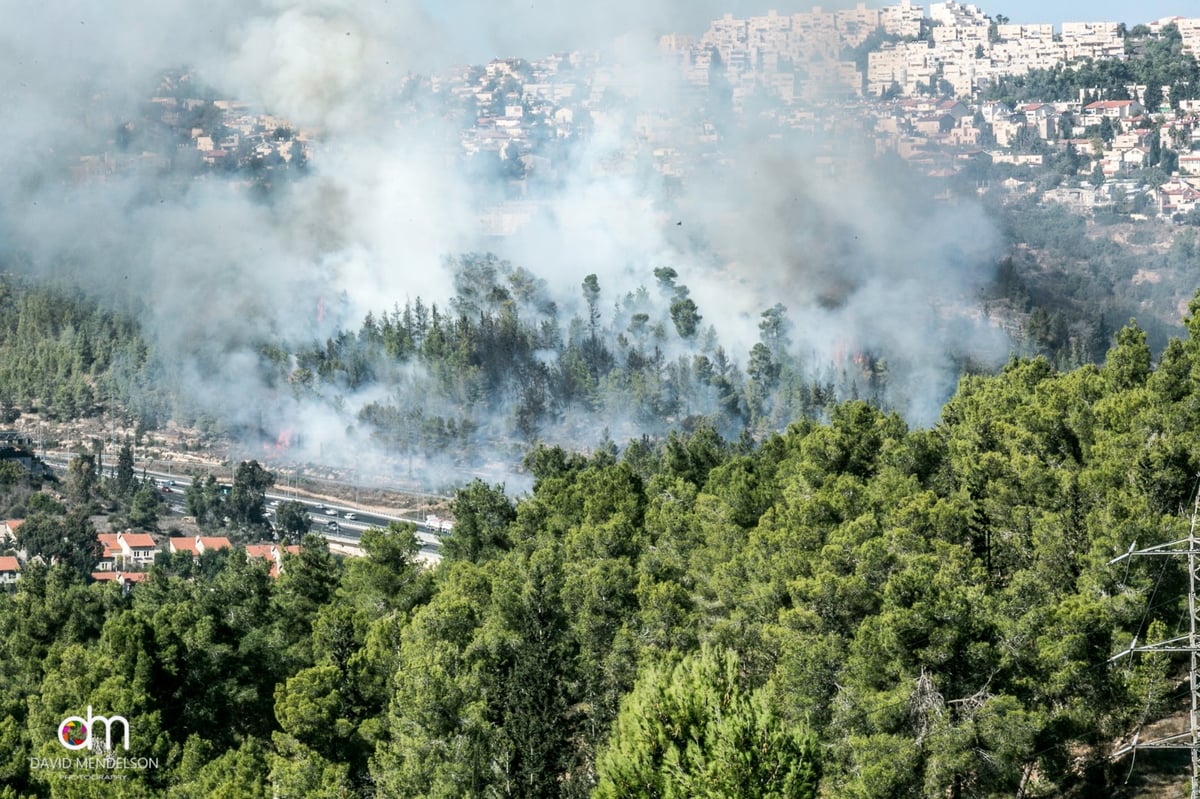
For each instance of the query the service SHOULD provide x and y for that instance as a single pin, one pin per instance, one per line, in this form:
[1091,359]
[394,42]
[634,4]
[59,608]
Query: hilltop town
[1014,109]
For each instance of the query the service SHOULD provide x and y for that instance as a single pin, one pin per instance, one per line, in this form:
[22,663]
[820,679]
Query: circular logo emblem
[74,733]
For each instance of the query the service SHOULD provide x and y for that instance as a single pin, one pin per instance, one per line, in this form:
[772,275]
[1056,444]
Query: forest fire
[282,443]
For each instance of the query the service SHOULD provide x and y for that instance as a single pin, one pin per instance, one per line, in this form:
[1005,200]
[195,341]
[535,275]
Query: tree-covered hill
[880,610]
[64,355]
[442,388]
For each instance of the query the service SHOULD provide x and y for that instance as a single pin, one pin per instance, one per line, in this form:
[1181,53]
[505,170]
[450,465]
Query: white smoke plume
[218,272]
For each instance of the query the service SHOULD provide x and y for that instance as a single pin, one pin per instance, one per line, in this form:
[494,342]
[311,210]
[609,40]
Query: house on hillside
[126,550]
[8,530]
[10,570]
[124,579]
[1113,109]
[199,544]
[1177,197]
[271,553]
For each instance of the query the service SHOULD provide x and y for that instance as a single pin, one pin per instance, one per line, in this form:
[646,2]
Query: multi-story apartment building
[1097,40]
[903,19]
[854,25]
[958,22]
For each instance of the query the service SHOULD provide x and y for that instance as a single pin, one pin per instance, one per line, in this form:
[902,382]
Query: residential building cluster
[226,133]
[969,50]
[917,61]
[515,104]
[126,557]
[1112,144]
[799,56]
[790,57]
[180,128]
[856,73]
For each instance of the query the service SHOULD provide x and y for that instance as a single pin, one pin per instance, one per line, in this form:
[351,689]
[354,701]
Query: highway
[340,521]
[337,523]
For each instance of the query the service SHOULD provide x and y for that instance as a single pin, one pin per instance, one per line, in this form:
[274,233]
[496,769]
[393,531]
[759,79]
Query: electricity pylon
[1189,739]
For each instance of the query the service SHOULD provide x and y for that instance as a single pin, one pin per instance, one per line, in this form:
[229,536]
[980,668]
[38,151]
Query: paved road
[337,523]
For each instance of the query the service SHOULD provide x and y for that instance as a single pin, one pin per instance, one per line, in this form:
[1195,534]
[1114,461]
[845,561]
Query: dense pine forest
[852,607]
[64,355]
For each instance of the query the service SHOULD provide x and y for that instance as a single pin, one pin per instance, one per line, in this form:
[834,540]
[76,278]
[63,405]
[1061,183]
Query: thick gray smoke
[218,271]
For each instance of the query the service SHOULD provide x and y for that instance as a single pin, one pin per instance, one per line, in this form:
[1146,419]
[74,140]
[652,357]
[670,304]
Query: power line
[1190,739]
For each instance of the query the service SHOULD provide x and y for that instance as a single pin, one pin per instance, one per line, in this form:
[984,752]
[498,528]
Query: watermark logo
[74,734]
[100,763]
[77,733]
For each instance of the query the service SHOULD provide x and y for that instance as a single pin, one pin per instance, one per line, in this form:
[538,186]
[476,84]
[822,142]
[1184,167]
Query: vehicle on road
[330,512]
[351,515]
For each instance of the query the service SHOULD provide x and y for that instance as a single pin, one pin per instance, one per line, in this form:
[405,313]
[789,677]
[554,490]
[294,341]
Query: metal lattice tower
[1190,739]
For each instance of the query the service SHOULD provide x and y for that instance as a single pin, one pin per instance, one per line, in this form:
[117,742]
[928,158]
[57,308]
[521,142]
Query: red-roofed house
[1177,197]
[1114,109]
[8,529]
[138,548]
[272,553]
[10,569]
[110,554]
[125,550]
[1035,111]
[1189,163]
[954,108]
[200,544]
[124,579]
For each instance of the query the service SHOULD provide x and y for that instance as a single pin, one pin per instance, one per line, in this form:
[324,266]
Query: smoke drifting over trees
[235,279]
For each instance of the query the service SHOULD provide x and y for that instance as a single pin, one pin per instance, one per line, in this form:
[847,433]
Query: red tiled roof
[104,576]
[9,564]
[139,540]
[112,547]
[182,544]
[269,552]
[179,544]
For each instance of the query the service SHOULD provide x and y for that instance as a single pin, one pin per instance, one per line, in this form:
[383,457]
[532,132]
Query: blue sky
[1090,10]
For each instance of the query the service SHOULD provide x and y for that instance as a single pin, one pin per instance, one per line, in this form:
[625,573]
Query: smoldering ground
[215,271]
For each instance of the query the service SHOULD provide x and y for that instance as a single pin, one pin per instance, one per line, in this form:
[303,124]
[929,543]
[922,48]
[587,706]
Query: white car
[330,512]
[351,515]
